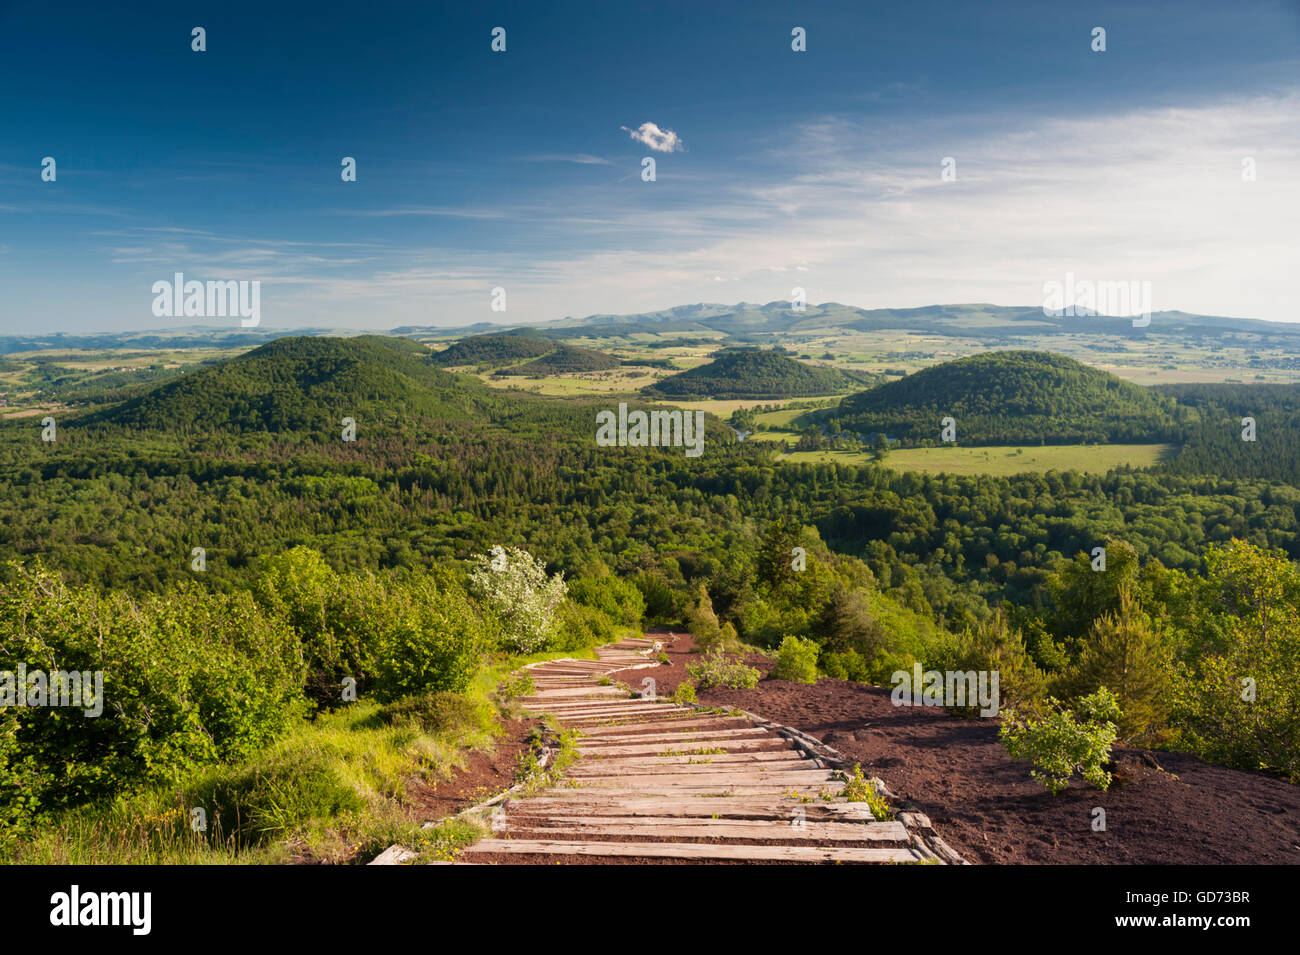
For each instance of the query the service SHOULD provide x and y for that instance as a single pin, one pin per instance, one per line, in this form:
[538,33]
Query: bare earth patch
[1163,807]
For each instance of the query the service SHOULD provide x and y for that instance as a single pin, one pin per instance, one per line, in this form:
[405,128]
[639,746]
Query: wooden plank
[691,850]
[684,738]
[578,693]
[727,745]
[688,806]
[704,828]
[673,724]
[717,790]
[801,780]
[642,765]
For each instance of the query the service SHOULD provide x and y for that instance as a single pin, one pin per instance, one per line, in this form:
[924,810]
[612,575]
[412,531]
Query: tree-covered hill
[565,360]
[494,350]
[754,373]
[305,384]
[1011,397]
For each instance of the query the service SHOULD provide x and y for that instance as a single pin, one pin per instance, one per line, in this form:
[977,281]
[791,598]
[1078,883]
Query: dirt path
[660,782]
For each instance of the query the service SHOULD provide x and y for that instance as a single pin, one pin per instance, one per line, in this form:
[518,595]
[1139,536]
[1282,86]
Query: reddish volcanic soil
[1163,807]
[484,775]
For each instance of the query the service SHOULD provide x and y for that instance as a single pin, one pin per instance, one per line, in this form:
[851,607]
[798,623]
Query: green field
[1000,460]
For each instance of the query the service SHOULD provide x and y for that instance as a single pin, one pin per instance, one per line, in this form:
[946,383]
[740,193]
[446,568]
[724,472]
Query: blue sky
[477,169]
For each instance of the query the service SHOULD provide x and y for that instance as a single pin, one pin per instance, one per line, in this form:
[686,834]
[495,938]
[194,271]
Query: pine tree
[1124,653]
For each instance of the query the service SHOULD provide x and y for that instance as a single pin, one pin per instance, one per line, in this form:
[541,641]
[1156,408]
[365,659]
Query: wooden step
[696,828]
[686,737]
[691,850]
[682,723]
[681,805]
[645,765]
[726,745]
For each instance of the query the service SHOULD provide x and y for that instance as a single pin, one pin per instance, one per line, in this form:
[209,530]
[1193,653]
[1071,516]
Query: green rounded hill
[1011,397]
[755,373]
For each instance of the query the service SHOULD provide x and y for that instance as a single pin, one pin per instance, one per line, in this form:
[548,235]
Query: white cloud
[660,140]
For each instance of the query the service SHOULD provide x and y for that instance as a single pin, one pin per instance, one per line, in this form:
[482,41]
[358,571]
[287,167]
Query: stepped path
[657,781]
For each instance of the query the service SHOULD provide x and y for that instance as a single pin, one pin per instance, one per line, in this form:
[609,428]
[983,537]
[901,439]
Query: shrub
[993,646]
[684,692]
[271,798]
[848,665]
[617,599]
[514,584]
[717,669]
[439,712]
[521,684]
[189,678]
[857,788]
[1124,654]
[425,637]
[1061,744]
[302,589]
[579,627]
[796,661]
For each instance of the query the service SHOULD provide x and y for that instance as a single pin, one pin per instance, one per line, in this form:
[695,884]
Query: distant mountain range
[742,323]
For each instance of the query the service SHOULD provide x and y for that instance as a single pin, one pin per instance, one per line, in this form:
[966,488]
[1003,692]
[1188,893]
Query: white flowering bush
[514,584]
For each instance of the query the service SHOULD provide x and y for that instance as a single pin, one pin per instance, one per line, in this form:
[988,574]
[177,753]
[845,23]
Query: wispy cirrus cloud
[582,159]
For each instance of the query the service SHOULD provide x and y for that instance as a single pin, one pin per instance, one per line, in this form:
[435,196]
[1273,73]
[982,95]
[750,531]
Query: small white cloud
[660,140]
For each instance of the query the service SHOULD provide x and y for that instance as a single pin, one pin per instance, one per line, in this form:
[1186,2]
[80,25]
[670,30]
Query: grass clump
[857,788]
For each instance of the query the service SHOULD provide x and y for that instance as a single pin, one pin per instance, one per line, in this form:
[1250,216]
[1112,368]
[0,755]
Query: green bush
[189,678]
[395,635]
[717,669]
[439,712]
[617,599]
[848,665]
[1061,744]
[796,661]
[581,627]
[684,692]
[424,637]
[1124,653]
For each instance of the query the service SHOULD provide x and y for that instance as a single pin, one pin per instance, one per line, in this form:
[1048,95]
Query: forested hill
[565,360]
[754,373]
[494,350]
[1011,397]
[306,384]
